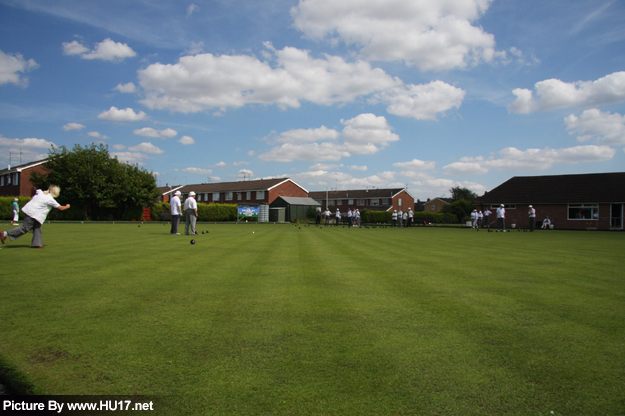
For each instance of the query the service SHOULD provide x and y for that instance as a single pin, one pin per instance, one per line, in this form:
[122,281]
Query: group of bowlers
[353,217]
[190,210]
[402,218]
[480,219]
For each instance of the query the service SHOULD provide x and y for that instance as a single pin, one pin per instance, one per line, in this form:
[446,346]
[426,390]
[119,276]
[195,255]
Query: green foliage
[460,209]
[458,193]
[99,186]
[159,208]
[376,217]
[6,206]
[216,212]
[437,218]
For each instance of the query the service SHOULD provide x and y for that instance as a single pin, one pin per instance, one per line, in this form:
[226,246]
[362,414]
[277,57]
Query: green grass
[289,321]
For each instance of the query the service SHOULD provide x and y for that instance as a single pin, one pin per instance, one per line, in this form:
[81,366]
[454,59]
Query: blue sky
[423,94]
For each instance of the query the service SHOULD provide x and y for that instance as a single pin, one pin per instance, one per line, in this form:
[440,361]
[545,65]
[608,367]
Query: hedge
[217,212]
[6,206]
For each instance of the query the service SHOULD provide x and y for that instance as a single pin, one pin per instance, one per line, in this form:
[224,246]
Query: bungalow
[575,202]
[257,192]
[15,181]
[370,199]
[436,205]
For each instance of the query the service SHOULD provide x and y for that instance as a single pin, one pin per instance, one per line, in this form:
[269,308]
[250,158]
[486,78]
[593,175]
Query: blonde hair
[15,200]
[54,190]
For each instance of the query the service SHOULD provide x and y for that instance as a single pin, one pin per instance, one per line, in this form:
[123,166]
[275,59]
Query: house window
[2,180]
[361,202]
[16,180]
[433,207]
[399,202]
[260,195]
[351,202]
[9,179]
[228,196]
[385,201]
[240,196]
[583,211]
[248,195]
[374,202]
[215,196]
[339,202]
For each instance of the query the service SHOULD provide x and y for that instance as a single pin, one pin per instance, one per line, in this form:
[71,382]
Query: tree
[461,208]
[96,183]
[458,193]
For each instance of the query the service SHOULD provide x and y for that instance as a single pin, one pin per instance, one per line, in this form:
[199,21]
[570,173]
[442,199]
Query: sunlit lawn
[278,320]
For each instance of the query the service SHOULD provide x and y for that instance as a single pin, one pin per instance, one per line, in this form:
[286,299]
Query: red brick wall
[406,201]
[288,188]
[558,214]
[25,187]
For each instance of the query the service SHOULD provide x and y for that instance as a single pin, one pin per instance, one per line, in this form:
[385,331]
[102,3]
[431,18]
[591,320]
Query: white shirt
[190,203]
[410,213]
[175,206]
[394,215]
[349,213]
[487,213]
[480,215]
[532,212]
[501,212]
[338,214]
[39,207]
[474,215]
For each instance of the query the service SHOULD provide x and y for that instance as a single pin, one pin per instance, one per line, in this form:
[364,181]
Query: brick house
[257,192]
[15,181]
[574,202]
[370,199]
[436,205]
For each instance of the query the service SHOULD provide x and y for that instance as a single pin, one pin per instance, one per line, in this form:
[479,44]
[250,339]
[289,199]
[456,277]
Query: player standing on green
[35,213]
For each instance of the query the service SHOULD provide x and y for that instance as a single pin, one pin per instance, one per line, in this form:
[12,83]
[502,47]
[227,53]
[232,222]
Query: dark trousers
[532,223]
[175,220]
[501,224]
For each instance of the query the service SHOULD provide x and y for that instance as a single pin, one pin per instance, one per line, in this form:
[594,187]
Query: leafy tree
[97,183]
[460,208]
[458,193]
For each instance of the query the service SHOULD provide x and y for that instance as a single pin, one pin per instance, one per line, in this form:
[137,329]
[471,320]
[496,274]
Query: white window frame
[592,208]
[260,195]
[361,202]
[229,196]
[248,196]
[399,202]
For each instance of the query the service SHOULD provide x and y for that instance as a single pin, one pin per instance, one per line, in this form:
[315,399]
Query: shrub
[217,212]
[376,217]
[6,206]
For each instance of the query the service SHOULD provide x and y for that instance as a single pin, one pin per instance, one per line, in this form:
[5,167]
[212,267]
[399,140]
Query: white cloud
[363,134]
[308,135]
[74,48]
[130,157]
[126,88]
[513,159]
[198,171]
[192,8]
[428,186]
[415,165]
[606,128]
[360,168]
[220,164]
[107,50]
[30,143]
[432,35]
[146,147]
[554,93]
[73,126]
[150,132]
[289,152]
[422,102]
[186,140]
[246,172]
[119,146]
[97,135]
[205,81]
[115,114]
[13,66]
